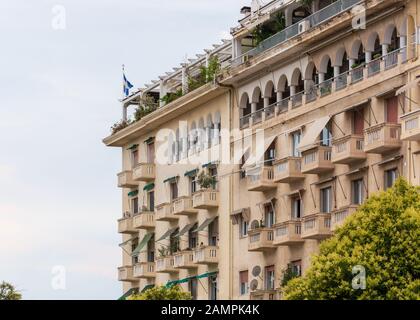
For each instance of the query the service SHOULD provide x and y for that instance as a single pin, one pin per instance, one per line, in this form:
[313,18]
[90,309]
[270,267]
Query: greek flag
[127,86]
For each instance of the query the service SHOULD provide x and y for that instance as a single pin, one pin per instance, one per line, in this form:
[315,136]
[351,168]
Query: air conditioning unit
[304,26]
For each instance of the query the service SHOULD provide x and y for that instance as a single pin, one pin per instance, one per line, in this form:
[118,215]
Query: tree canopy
[382,238]
[8,292]
[162,293]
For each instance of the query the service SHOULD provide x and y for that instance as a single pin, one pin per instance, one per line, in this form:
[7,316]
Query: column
[236,48]
[184,78]
[279,98]
[162,92]
[124,112]
[403,46]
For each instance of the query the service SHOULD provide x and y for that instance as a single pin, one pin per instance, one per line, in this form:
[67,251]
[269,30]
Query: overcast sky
[59,93]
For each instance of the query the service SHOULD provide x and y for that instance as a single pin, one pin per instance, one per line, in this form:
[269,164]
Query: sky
[60,81]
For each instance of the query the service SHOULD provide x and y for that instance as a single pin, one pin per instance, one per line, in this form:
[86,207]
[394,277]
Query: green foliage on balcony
[162,293]
[268,29]
[383,238]
[206,75]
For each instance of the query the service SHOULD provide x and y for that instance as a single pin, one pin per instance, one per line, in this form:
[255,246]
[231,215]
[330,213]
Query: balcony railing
[341,81]
[325,88]
[283,105]
[183,206]
[382,138]
[288,170]
[125,225]
[164,213]
[144,220]
[166,265]
[257,116]
[391,59]
[297,99]
[314,20]
[261,179]
[374,67]
[126,274]
[338,216]
[184,260]
[244,121]
[316,226]
[348,149]
[144,270]
[125,180]
[270,111]
[288,233]
[411,126]
[261,239]
[357,74]
[144,172]
[317,160]
[206,255]
[206,199]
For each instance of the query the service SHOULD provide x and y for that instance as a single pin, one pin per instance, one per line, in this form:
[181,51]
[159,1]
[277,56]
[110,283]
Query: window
[135,205]
[174,190]
[326,204]
[174,242]
[151,250]
[270,154]
[243,282]
[326,136]
[192,237]
[134,158]
[192,288]
[213,173]
[390,177]
[134,245]
[243,227]
[391,110]
[296,208]
[295,143]
[213,288]
[357,191]
[150,152]
[296,267]
[214,232]
[269,278]
[151,201]
[269,216]
[193,184]
[358,122]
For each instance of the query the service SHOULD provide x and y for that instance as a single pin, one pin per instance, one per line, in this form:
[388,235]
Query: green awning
[209,164]
[149,140]
[184,230]
[126,242]
[147,287]
[129,293]
[149,186]
[191,173]
[133,146]
[184,280]
[167,234]
[204,225]
[207,274]
[141,244]
[171,179]
[133,193]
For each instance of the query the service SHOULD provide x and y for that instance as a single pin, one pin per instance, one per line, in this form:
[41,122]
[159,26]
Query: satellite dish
[256,271]
[254,285]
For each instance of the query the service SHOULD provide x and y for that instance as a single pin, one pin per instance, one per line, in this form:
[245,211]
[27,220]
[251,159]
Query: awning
[293,193]
[149,140]
[147,287]
[312,135]
[269,201]
[149,186]
[252,161]
[142,244]
[204,225]
[129,293]
[207,274]
[185,230]
[132,147]
[191,173]
[210,164]
[245,213]
[408,86]
[184,280]
[389,160]
[167,234]
[356,171]
[126,242]
[238,154]
[171,179]
[133,193]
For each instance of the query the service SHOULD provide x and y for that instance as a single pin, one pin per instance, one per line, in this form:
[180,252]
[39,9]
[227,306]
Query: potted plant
[206,181]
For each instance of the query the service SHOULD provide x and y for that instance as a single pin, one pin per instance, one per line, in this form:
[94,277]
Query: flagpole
[124,110]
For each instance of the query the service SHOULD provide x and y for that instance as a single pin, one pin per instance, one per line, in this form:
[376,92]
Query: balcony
[125,180]
[126,274]
[166,265]
[125,225]
[264,295]
[288,170]
[288,233]
[144,270]
[382,138]
[184,260]
[261,240]
[348,149]
[261,179]
[144,172]
[206,255]
[206,199]
[144,220]
[411,126]
[317,160]
[316,226]
[164,213]
[183,206]
[338,216]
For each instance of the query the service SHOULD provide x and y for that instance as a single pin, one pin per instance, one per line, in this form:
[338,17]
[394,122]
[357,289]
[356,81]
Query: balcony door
[269,216]
[326,200]
[269,278]
[150,152]
[295,143]
[391,105]
[358,122]
[296,208]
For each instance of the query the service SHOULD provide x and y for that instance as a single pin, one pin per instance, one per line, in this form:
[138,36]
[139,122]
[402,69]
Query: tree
[8,292]
[162,293]
[383,238]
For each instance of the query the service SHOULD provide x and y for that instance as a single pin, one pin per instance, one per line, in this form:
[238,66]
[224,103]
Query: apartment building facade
[325,109]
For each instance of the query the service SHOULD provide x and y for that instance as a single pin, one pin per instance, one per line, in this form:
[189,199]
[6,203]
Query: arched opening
[310,82]
[200,134]
[297,88]
[258,100]
[217,127]
[392,42]
[325,3]
[270,93]
[209,130]
[358,60]
[343,68]
[375,48]
[284,93]
[245,110]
